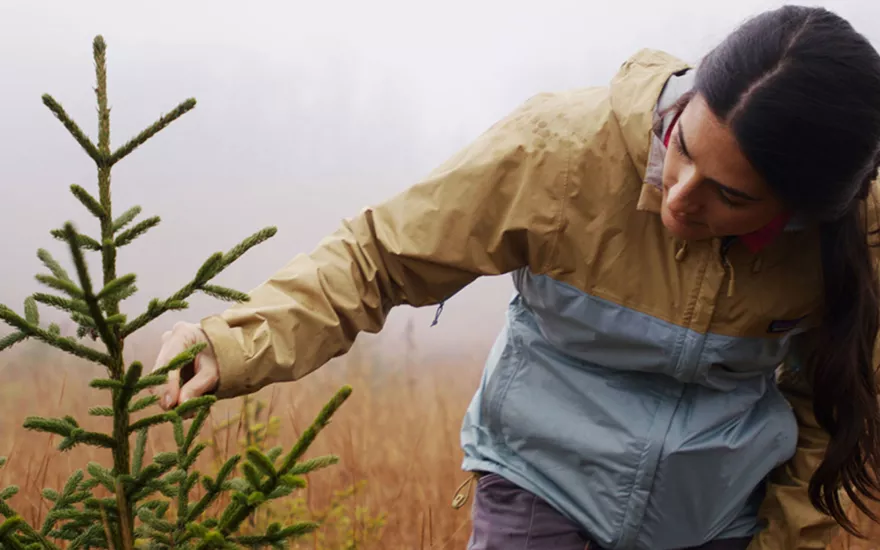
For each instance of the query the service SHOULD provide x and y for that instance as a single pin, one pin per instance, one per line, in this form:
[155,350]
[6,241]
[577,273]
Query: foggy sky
[307,112]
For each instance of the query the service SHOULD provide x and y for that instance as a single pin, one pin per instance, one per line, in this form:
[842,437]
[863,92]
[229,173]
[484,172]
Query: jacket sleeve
[493,207]
[791,521]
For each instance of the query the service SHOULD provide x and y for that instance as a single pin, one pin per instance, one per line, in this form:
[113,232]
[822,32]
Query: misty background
[307,112]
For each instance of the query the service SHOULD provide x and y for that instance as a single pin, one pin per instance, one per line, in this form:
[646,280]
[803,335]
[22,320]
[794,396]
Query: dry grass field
[397,438]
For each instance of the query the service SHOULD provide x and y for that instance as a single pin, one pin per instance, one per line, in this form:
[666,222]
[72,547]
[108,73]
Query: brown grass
[398,431]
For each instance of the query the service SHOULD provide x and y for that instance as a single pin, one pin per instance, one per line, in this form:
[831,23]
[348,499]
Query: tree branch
[52,265]
[88,295]
[236,511]
[99,50]
[126,218]
[72,127]
[64,344]
[12,339]
[88,201]
[212,267]
[154,129]
[129,235]
[83,241]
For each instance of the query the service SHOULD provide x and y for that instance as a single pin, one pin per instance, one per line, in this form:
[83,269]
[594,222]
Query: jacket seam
[608,297]
[563,204]
[688,317]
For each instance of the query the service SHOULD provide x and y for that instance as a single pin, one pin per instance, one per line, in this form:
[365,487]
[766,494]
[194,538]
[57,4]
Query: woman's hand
[206,370]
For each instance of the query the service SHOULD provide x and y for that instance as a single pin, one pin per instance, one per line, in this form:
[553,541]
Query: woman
[674,238]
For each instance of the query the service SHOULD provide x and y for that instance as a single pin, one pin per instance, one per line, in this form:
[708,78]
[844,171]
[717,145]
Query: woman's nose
[682,195]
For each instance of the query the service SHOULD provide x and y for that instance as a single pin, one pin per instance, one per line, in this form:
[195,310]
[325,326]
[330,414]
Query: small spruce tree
[150,504]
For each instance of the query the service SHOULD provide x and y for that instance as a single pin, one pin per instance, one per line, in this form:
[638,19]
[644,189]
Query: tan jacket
[560,194]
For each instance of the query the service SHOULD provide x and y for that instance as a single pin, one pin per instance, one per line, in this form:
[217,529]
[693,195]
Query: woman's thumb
[204,381]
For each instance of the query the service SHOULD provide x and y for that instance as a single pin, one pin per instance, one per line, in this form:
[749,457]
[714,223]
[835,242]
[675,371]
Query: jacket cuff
[230,358]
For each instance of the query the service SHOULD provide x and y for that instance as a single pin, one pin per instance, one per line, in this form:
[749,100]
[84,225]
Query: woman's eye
[726,199]
[679,148]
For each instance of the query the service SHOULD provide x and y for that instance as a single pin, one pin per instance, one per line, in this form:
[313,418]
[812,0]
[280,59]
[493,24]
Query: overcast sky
[307,112]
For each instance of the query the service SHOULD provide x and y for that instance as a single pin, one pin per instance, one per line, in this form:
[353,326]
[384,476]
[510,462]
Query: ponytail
[815,151]
[845,391]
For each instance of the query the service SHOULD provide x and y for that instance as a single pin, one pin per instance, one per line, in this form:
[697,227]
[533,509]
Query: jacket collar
[634,94]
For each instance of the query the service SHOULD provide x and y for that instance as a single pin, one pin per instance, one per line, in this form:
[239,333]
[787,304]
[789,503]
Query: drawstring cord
[681,254]
[731,285]
[437,314]
[757,265]
[725,247]
[460,498]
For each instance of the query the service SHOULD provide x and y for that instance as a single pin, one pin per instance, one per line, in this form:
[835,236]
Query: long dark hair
[800,90]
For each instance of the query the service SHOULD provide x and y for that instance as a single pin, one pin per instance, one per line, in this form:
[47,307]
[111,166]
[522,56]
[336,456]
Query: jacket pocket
[509,364]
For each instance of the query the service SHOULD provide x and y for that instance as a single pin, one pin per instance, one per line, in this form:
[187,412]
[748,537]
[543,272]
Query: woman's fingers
[179,339]
[204,381]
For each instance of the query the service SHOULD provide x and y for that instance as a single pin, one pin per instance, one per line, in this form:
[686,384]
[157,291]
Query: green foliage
[154,502]
[343,523]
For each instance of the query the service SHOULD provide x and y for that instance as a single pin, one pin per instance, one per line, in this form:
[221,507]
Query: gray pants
[506,517]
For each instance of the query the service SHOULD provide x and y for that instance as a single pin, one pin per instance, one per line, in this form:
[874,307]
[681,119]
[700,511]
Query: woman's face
[709,188]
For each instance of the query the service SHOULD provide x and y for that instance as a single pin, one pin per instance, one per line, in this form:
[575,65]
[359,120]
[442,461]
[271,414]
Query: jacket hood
[634,93]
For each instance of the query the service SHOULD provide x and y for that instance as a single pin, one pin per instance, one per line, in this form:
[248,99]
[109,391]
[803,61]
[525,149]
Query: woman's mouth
[681,218]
